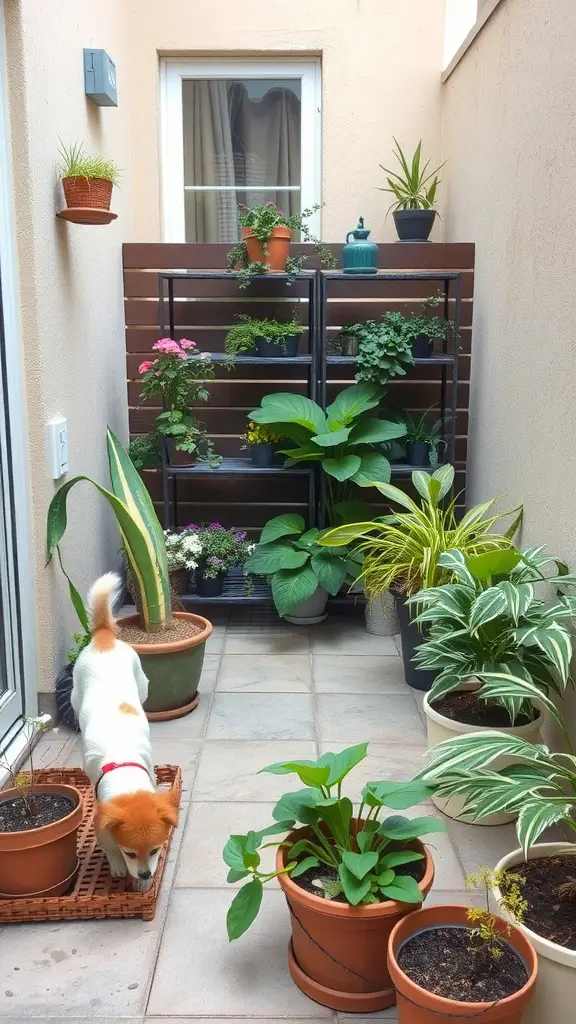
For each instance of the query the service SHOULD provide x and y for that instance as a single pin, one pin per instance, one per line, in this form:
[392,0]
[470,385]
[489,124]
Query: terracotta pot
[173,669]
[336,955]
[418,1006]
[41,859]
[177,458]
[93,193]
[555,993]
[441,728]
[276,251]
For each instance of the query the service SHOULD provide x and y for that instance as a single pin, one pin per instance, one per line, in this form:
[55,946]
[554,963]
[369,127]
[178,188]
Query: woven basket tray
[95,893]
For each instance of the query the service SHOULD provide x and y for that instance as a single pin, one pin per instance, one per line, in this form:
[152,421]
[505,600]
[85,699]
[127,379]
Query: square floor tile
[191,726]
[358,673]
[384,762]
[208,828]
[261,716]
[354,717]
[228,769]
[209,672]
[181,751]
[267,641]
[265,673]
[200,973]
[215,642]
[328,638]
[221,1020]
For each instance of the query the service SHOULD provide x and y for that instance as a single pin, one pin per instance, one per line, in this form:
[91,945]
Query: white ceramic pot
[554,1000]
[441,728]
[311,611]
[381,617]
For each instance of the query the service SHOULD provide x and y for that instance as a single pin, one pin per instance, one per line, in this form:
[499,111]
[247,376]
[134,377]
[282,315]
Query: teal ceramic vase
[359,256]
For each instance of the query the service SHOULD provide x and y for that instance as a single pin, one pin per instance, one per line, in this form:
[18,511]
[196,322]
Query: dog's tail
[101,597]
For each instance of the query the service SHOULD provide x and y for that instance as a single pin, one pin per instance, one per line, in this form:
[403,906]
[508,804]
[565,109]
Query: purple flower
[216,561]
[191,526]
[215,526]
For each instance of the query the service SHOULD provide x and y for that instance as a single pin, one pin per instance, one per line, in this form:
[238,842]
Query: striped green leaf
[479,750]
[455,562]
[445,477]
[498,684]
[488,606]
[536,815]
[557,646]
[445,683]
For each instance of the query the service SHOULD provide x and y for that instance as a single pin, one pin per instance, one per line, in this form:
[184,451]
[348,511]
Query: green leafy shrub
[384,347]
[241,337]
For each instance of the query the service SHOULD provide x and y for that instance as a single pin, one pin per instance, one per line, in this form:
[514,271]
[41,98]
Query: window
[237,132]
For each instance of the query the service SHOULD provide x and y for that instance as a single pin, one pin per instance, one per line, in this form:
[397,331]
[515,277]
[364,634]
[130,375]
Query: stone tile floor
[269,691]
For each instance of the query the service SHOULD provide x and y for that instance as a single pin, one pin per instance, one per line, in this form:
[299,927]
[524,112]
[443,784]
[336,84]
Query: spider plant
[415,187]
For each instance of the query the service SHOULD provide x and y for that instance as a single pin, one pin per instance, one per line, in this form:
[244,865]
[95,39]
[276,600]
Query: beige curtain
[208,160]
[266,144]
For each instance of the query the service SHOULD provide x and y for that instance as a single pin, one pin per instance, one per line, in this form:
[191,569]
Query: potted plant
[178,376]
[452,963]
[301,573]
[383,347]
[39,823]
[345,438]
[540,786]
[87,179]
[272,339]
[427,328]
[414,189]
[423,440]
[214,551]
[170,644]
[262,443]
[402,551]
[347,876]
[266,234]
[180,553]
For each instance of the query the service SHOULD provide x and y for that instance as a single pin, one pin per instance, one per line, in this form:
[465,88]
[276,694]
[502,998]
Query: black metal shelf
[235,589]
[230,467]
[223,357]
[228,275]
[438,359]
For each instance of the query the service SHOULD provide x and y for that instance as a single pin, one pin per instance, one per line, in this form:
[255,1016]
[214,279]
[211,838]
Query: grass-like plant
[75,162]
[414,187]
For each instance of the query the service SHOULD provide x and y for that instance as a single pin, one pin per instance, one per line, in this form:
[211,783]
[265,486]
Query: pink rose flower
[185,343]
[146,365]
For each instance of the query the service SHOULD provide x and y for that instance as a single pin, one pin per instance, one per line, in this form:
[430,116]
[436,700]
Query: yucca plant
[539,785]
[142,536]
[489,625]
[414,188]
[403,550]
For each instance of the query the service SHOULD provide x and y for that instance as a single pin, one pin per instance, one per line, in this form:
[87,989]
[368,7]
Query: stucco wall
[380,71]
[509,126]
[71,287]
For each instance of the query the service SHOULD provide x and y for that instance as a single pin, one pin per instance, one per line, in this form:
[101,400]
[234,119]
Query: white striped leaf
[498,684]
[557,646]
[443,684]
[488,606]
[455,562]
[535,816]
[445,476]
[478,750]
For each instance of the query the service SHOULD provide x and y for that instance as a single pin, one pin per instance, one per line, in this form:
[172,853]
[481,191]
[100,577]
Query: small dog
[133,820]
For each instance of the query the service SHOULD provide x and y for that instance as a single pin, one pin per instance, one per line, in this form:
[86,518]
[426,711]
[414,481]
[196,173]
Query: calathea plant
[489,625]
[360,855]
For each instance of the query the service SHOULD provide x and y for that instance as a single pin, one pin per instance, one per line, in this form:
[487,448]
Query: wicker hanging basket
[91,193]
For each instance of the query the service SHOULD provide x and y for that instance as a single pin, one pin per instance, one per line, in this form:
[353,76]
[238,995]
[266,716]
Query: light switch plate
[58,447]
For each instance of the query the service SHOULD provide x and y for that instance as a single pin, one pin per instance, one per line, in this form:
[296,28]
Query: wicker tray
[95,894]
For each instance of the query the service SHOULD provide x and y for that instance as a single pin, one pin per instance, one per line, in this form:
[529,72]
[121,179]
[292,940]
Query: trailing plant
[403,550]
[142,535]
[214,549]
[384,347]
[434,327]
[261,220]
[487,624]
[242,336]
[485,934]
[24,781]
[75,162]
[289,556]
[344,439]
[357,855]
[421,429]
[414,187]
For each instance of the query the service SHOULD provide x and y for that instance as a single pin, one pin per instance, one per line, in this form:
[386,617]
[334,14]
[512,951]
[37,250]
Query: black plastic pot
[278,458]
[209,587]
[275,349]
[418,453]
[414,225]
[411,638]
[63,692]
[262,454]
[422,347]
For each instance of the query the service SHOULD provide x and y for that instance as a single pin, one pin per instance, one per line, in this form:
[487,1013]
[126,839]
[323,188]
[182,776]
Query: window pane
[238,133]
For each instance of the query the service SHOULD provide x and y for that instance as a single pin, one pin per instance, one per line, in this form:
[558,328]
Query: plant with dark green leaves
[433,327]
[242,336]
[414,187]
[384,347]
[261,221]
[289,556]
[423,430]
[344,439]
[489,625]
[362,855]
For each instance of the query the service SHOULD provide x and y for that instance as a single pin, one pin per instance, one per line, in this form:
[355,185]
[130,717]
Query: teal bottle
[359,256]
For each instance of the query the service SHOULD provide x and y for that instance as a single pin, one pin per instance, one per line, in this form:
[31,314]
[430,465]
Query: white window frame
[172,73]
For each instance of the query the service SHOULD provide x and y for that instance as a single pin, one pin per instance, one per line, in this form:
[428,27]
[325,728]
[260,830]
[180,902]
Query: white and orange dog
[133,820]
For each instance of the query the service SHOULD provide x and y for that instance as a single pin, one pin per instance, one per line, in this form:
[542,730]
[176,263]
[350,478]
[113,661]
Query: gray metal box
[100,78]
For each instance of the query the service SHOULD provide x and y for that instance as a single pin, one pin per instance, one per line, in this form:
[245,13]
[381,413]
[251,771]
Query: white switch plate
[58,447]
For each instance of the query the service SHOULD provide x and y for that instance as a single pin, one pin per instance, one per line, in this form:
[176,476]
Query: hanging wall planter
[87,181]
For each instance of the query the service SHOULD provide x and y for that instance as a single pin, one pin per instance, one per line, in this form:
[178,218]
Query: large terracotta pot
[337,952]
[418,1006]
[42,861]
[277,247]
[555,995]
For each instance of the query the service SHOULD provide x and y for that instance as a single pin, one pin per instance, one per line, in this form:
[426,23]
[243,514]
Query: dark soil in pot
[464,706]
[45,807]
[549,888]
[306,881]
[267,349]
[448,962]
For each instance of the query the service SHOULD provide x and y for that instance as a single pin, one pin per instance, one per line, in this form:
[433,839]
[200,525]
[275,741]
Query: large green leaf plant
[354,854]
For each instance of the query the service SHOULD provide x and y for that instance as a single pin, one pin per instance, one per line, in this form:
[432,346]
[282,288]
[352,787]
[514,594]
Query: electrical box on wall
[100,78]
[58,447]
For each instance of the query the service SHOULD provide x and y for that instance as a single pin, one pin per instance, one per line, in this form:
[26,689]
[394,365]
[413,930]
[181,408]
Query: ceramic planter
[411,638]
[41,861]
[90,193]
[418,1006]
[267,349]
[262,454]
[555,994]
[441,728]
[207,586]
[381,617]
[414,225]
[418,453]
[276,251]
[173,669]
[337,952]
[311,611]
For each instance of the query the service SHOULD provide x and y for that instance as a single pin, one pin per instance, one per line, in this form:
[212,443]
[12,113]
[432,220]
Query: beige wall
[380,71]
[509,111]
[71,286]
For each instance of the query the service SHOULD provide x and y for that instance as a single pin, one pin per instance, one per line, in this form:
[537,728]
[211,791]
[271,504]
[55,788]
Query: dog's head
[139,824]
